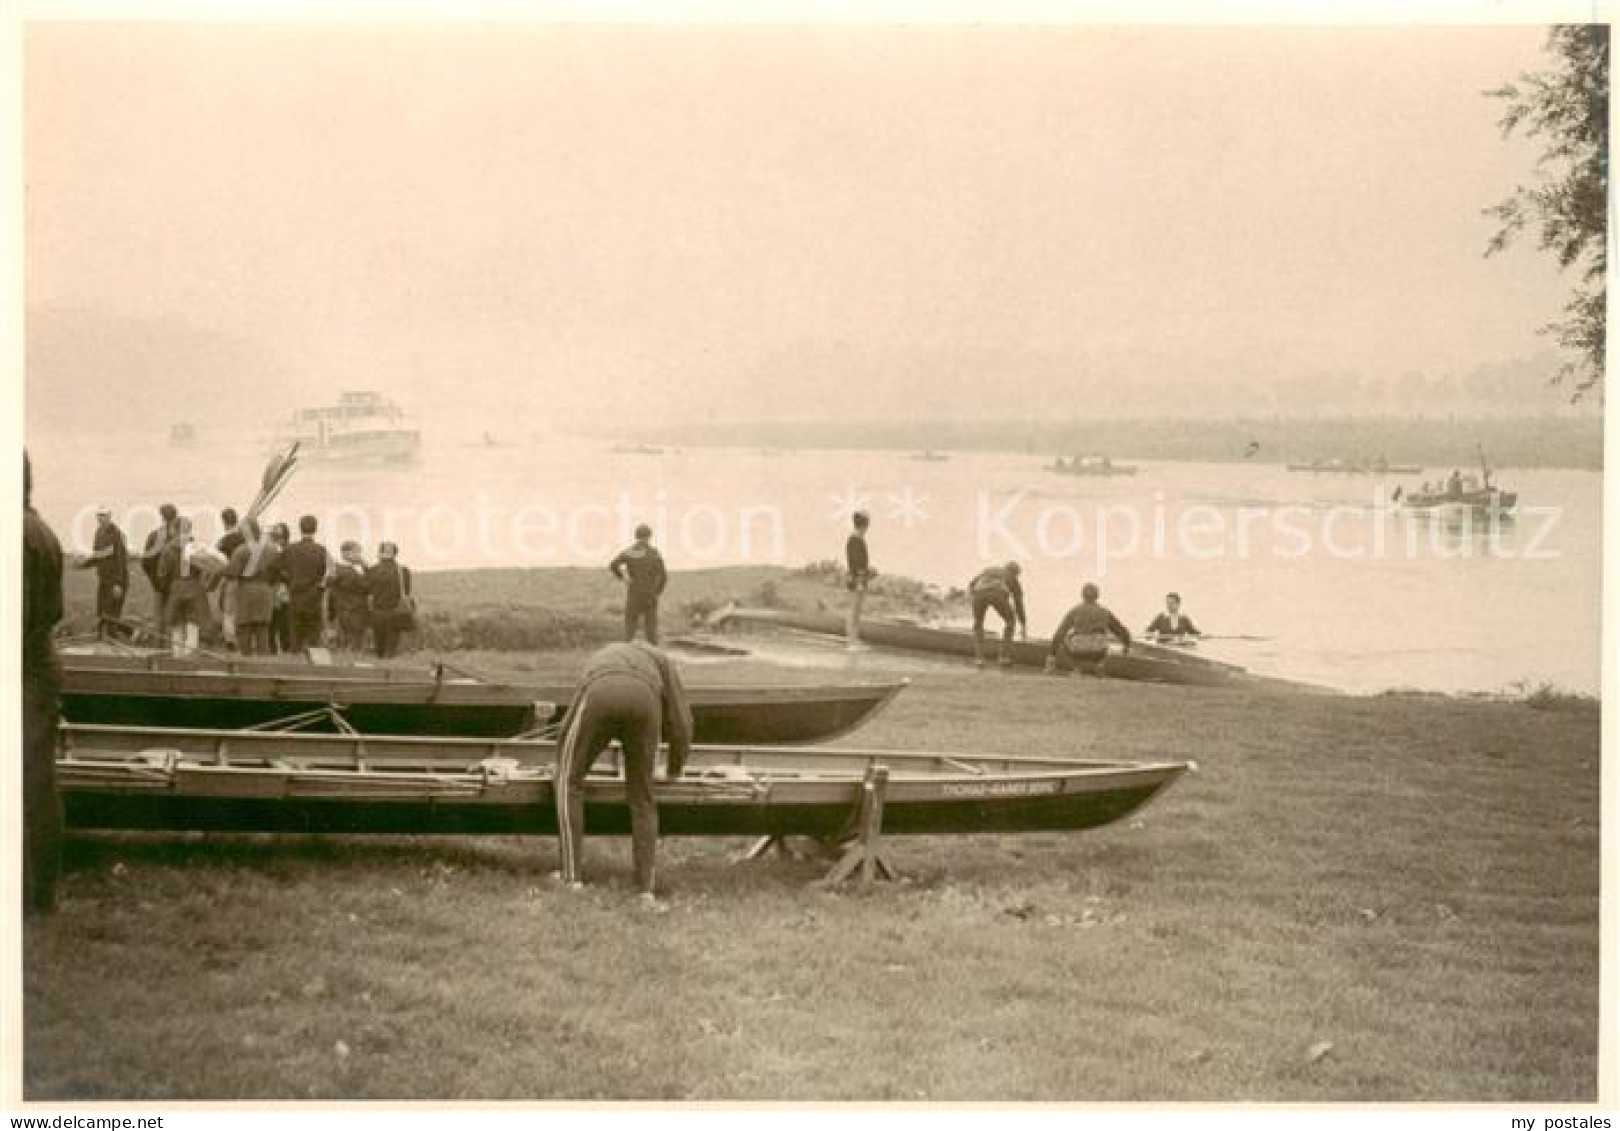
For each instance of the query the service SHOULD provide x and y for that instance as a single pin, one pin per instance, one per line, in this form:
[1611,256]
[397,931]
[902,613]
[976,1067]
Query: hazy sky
[661,220]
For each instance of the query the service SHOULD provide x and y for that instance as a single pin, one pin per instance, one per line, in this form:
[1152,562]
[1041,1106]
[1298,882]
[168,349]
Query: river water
[1346,588]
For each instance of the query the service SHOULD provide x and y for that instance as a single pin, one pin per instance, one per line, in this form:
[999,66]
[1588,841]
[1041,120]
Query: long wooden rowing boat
[1154,664]
[157,778]
[229,694]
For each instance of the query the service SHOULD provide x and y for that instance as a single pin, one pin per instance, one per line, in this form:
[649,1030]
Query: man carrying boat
[109,556]
[1083,635]
[641,568]
[630,692]
[1172,624]
[41,693]
[998,588]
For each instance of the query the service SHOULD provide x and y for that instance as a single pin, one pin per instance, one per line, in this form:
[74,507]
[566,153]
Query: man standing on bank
[998,588]
[41,694]
[641,568]
[858,564]
[630,692]
[151,558]
[227,546]
[1082,637]
[305,564]
[109,555]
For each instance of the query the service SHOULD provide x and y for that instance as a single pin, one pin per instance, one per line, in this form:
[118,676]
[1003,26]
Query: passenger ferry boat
[361,427]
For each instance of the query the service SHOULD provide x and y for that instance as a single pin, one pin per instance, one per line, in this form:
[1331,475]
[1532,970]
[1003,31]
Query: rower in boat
[998,588]
[630,692]
[1172,626]
[1082,638]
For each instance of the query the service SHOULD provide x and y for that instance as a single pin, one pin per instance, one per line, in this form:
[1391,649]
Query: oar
[276,474]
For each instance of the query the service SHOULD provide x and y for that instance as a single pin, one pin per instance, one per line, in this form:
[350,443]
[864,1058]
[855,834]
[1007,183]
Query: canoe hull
[417,704]
[131,778]
[1156,666]
[535,814]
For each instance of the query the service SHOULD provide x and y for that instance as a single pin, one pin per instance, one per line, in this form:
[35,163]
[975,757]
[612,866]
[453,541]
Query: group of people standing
[271,594]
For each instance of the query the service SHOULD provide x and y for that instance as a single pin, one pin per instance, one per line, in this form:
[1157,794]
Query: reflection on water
[1349,588]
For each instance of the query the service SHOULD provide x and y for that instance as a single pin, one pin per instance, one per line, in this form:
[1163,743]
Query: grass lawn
[1353,899]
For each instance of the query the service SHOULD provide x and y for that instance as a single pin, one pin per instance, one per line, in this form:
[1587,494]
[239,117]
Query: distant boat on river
[1462,494]
[1378,466]
[1091,465]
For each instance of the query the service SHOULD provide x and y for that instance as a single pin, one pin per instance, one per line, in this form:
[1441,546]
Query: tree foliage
[1567,108]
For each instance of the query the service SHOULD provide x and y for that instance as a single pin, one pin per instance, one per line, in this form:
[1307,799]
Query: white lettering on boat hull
[999,789]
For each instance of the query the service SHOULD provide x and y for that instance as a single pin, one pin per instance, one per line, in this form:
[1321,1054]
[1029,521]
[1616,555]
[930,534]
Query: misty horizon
[578,226]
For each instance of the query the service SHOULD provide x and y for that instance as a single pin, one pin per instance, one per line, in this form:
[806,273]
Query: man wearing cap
[109,555]
[1082,637]
[998,588]
[858,565]
[641,568]
[631,693]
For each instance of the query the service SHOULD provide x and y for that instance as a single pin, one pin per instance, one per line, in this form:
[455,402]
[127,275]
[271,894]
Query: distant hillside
[1531,441]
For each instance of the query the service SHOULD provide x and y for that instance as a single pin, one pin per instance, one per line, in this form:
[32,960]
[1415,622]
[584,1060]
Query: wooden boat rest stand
[862,846]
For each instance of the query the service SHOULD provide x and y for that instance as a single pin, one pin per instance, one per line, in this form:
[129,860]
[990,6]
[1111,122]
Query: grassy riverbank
[573,607]
[1353,899]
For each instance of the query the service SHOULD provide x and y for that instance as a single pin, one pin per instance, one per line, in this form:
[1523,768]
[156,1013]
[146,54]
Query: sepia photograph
[583,561]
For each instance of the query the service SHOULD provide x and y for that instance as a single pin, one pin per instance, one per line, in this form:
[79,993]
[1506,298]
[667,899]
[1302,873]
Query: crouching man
[630,692]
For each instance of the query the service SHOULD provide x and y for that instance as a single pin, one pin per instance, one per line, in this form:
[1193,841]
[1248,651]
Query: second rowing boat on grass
[230,694]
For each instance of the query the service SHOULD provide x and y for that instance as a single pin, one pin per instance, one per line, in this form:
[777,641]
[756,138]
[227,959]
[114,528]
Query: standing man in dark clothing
[1082,637]
[109,554]
[253,570]
[151,558]
[998,588]
[305,565]
[388,586]
[859,567]
[349,601]
[641,568]
[633,693]
[227,544]
[41,693]
[280,614]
